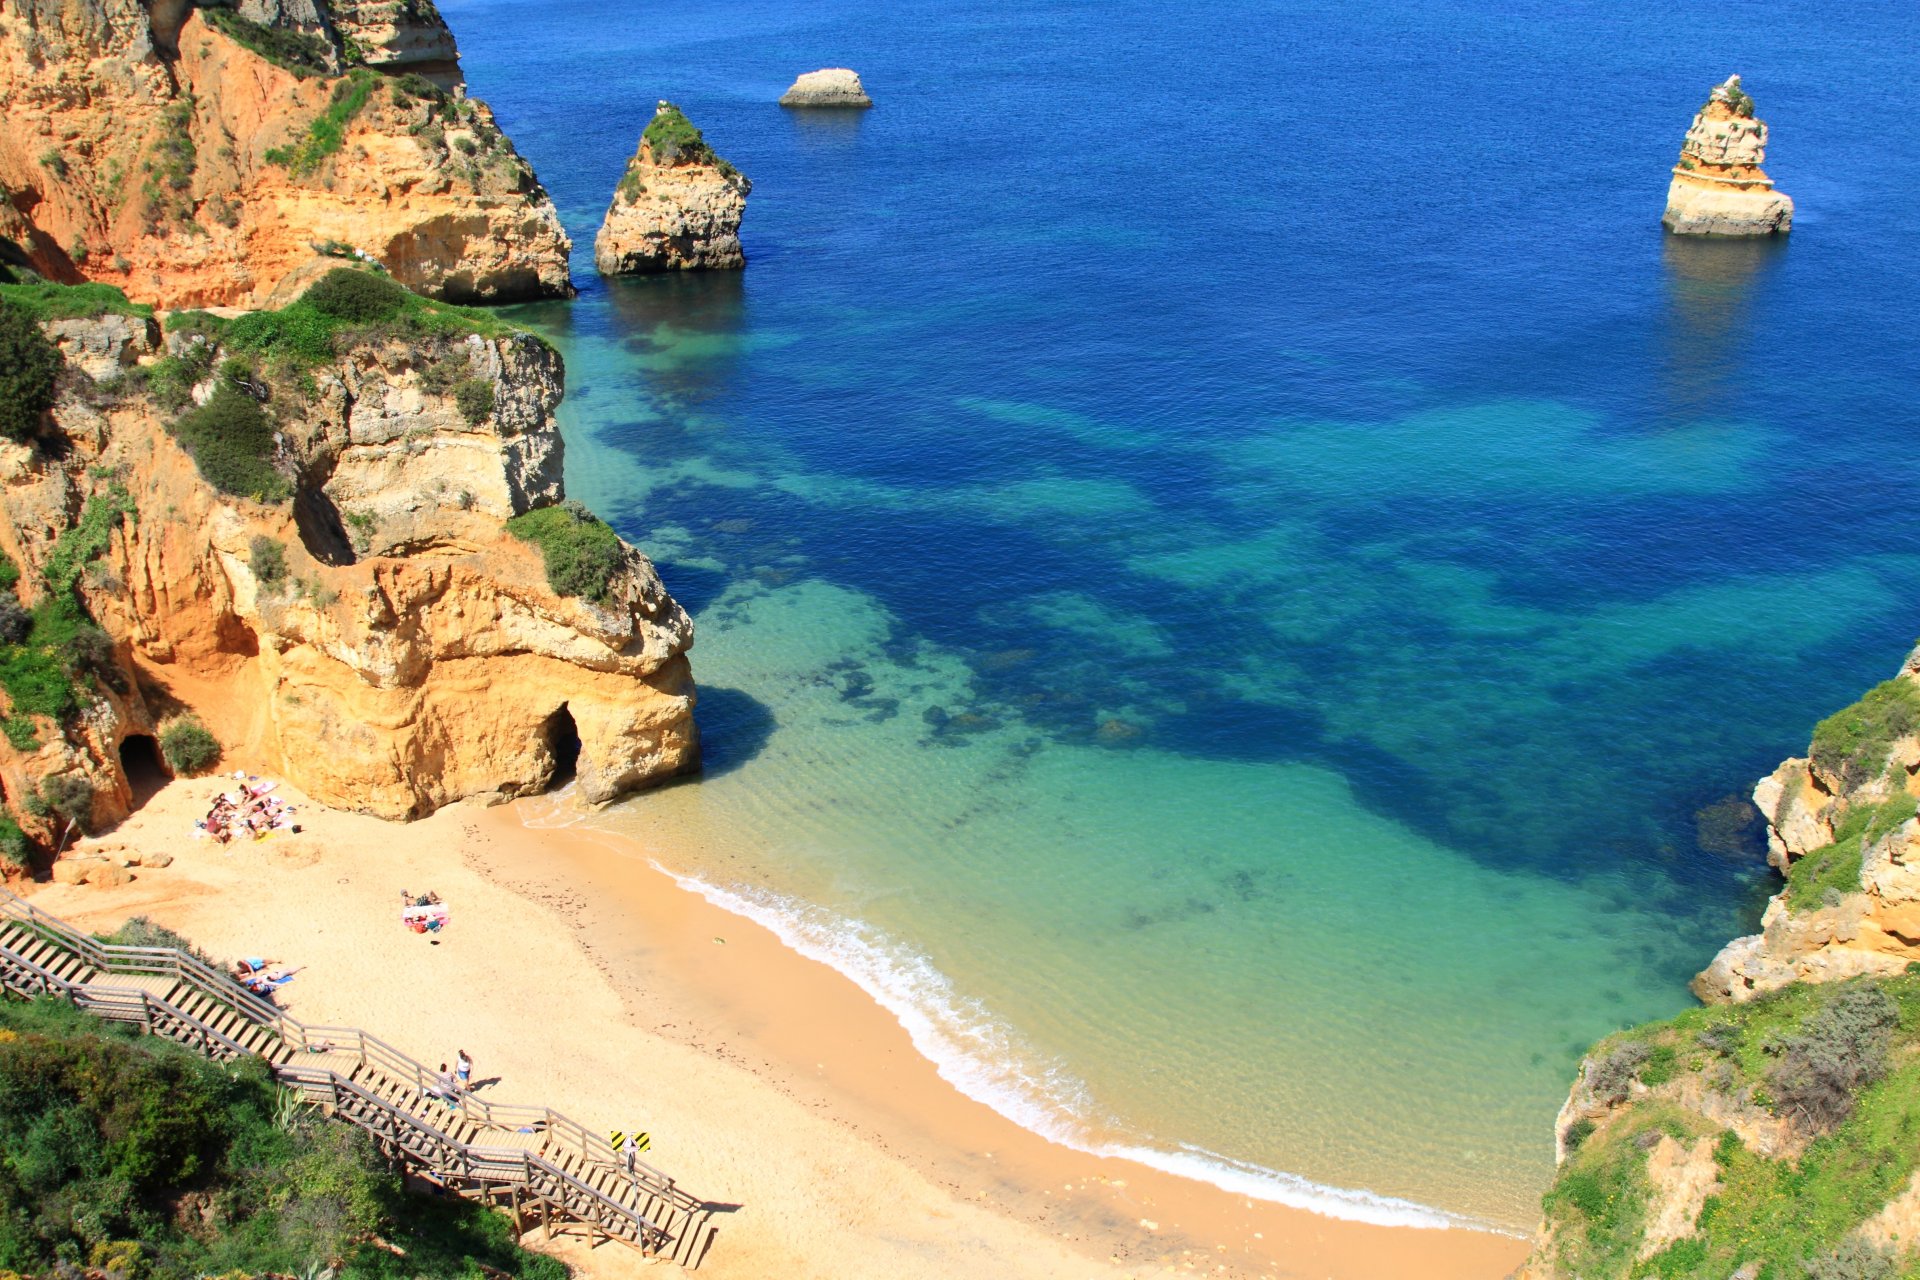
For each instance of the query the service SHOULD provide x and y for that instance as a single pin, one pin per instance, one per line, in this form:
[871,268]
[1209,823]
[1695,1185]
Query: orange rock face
[183,166]
[410,651]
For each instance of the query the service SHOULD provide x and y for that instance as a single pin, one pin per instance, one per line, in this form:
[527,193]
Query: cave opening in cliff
[563,739]
[140,761]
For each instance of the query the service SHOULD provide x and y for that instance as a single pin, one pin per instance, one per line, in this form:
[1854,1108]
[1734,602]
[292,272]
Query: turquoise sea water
[1236,568]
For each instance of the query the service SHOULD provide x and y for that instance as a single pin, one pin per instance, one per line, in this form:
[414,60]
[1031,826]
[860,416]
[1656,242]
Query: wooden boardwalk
[539,1165]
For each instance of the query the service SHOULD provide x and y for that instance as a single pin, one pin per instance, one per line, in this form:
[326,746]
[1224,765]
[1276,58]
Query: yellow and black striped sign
[642,1141]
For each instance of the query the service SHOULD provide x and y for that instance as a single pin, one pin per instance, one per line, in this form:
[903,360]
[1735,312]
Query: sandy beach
[583,978]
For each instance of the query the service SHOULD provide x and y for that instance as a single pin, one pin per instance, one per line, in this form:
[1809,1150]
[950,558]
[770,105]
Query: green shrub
[267,558]
[87,540]
[475,398]
[328,132]
[674,140]
[1852,1259]
[1578,1132]
[15,849]
[187,746]
[304,55]
[358,297]
[582,553]
[1614,1070]
[231,440]
[29,367]
[1851,745]
[102,1135]
[63,795]
[1836,1052]
[15,620]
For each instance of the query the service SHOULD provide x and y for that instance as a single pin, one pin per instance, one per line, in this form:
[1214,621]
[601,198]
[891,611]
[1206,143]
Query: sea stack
[1718,187]
[829,87]
[677,208]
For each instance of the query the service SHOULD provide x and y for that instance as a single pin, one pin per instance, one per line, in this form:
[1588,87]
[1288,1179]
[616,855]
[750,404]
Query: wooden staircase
[532,1161]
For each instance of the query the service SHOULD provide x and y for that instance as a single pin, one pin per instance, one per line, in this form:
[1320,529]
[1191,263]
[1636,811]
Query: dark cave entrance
[140,761]
[563,739]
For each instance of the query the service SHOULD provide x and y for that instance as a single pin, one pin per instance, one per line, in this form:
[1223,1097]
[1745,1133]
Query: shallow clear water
[1235,564]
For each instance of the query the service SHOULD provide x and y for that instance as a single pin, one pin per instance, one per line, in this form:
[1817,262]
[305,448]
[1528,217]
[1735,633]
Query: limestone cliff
[677,208]
[195,156]
[1840,825]
[1769,1133]
[348,604]
[1718,187]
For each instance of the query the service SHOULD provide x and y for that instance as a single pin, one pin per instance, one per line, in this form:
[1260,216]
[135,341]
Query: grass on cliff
[327,133]
[44,300]
[48,652]
[1821,876]
[674,140]
[304,55]
[345,307]
[137,1157]
[1797,1046]
[582,553]
[1852,744]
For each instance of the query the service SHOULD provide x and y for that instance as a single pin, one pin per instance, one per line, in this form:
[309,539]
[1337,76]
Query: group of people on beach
[263,977]
[425,913]
[253,812]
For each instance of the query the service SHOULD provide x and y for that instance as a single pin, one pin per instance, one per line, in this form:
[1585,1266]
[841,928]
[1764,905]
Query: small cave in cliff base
[140,761]
[563,739]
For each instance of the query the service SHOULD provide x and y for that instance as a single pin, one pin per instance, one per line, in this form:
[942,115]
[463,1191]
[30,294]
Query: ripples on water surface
[1229,543]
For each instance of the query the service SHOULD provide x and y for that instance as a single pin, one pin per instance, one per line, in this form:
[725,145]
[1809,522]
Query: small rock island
[677,208]
[828,87]
[1718,187]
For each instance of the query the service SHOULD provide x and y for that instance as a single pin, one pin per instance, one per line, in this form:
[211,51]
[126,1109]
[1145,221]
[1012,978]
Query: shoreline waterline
[838,1034]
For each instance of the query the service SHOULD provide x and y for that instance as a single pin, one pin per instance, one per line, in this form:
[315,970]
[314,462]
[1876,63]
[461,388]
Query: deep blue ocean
[1240,575]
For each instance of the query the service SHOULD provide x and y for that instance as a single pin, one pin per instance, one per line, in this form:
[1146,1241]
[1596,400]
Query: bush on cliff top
[582,553]
[304,55]
[105,1136]
[1851,745]
[1833,871]
[674,140]
[1850,1042]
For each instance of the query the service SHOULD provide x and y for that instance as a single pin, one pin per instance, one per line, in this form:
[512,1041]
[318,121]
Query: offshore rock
[194,156]
[829,87]
[403,649]
[677,208]
[1718,187]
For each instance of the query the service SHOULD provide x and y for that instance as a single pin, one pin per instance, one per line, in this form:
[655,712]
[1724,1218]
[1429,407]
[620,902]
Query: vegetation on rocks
[674,140]
[294,51]
[188,746]
[1839,1063]
[29,368]
[328,131]
[1821,876]
[45,300]
[60,647]
[137,1157]
[582,553]
[1851,745]
[231,440]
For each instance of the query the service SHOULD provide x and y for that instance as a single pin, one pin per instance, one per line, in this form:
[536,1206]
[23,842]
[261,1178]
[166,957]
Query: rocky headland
[335,536]
[677,208]
[1718,187]
[828,87]
[1770,1133]
[196,156]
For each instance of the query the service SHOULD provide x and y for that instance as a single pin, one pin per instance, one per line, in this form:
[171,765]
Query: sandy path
[767,1081]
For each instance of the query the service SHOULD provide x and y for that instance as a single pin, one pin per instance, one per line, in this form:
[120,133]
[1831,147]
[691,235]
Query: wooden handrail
[293,1035]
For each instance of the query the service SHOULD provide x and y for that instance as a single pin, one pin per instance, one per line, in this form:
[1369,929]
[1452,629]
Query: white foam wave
[984,1060]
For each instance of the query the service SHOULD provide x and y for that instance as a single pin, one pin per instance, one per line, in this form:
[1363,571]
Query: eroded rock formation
[379,637]
[195,156]
[1840,825]
[828,87]
[1718,187]
[677,208]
